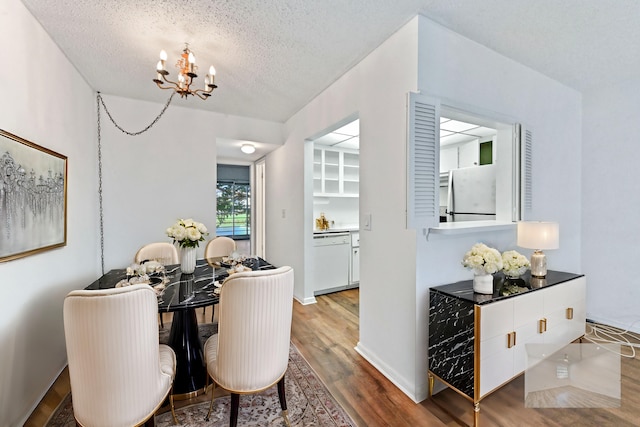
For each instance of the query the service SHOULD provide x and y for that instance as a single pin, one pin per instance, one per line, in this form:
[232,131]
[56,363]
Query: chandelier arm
[143,130]
[164,77]
[165,87]
[206,93]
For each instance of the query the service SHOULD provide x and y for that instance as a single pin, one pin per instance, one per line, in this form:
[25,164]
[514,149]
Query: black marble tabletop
[504,288]
[182,291]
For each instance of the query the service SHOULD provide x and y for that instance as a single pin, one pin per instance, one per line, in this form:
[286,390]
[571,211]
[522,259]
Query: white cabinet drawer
[496,319]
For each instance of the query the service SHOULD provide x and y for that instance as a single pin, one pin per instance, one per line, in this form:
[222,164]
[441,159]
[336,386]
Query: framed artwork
[33,198]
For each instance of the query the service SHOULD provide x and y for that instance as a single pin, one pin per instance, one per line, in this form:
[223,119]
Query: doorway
[336,189]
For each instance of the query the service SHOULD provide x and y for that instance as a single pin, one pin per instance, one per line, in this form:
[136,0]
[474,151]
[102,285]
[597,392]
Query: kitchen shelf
[336,172]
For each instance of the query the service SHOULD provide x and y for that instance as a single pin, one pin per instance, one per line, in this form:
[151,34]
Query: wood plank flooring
[326,334]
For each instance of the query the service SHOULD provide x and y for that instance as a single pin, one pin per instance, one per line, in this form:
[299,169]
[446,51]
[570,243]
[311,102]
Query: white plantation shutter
[423,161]
[527,170]
[526,178]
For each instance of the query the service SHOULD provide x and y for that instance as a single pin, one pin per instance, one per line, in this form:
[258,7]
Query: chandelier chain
[166,105]
[100,101]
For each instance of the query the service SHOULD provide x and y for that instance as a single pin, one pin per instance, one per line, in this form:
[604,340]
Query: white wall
[398,265]
[387,292]
[467,74]
[148,182]
[343,211]
[54,108]
[611,202]
[166,173]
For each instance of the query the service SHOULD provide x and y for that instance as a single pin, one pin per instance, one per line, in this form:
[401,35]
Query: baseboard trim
[389,373]
[306,301]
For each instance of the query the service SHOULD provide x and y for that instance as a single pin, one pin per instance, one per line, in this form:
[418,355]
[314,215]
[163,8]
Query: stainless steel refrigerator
[471,194]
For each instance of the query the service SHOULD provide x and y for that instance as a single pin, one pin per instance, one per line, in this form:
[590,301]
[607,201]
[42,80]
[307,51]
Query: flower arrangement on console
[514,264]
[482,259]
[187,233]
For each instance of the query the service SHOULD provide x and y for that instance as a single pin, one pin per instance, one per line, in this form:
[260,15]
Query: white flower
[187,233]
[514,263]
[193,234]
[482,259]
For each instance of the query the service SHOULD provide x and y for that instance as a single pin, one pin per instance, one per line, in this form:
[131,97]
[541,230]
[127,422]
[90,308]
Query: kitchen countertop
[336,230]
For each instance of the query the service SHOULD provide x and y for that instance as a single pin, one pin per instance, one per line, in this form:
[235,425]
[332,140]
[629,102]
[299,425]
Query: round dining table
[181,294]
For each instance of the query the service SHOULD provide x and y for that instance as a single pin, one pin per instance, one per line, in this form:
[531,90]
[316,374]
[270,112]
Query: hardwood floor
[326,334]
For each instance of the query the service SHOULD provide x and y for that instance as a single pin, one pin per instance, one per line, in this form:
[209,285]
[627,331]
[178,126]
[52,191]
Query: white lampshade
[538,235]
[248,148]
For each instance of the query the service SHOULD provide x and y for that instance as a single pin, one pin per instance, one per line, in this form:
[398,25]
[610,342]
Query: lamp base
[538,264]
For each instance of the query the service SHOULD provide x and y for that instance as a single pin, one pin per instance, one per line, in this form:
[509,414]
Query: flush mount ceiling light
[186,65]
[248,148]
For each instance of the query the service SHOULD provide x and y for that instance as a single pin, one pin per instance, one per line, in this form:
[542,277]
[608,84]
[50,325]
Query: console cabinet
[477,342]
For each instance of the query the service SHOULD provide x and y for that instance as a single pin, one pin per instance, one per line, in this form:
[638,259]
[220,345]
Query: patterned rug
[309,402]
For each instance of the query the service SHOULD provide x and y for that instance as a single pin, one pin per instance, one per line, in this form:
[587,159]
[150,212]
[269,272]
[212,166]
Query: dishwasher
[331,256]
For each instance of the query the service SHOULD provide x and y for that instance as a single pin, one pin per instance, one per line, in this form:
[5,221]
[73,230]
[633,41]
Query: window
[233,202]
[484,174]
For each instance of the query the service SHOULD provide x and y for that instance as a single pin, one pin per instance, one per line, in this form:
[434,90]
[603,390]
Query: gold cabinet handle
[542,325]
[570,313]
[511,339]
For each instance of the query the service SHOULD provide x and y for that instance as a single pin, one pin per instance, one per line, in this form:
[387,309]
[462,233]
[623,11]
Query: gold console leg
[476,414]
[431,380]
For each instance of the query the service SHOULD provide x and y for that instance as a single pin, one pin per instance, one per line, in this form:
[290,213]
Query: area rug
[309,402]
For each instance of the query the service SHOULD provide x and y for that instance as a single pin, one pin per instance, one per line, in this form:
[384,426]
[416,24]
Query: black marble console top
[464,289]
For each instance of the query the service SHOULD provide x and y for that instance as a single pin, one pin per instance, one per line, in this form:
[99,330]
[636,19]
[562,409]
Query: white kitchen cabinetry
[335,172]
[331,253]
[354,270]
[485,347]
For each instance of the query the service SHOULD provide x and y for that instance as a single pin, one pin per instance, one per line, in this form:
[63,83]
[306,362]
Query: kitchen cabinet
[354,268]
[477,342]
[336,261]
[331,254]
[335,172]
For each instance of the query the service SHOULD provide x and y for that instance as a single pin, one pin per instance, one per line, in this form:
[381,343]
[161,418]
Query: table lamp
[538,235]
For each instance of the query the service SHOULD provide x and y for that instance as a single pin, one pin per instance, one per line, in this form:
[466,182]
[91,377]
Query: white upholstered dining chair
[120,374]
[219,246]
[250,352]
[163,252]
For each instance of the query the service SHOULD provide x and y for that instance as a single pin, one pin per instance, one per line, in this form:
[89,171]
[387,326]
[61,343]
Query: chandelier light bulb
[212,71]
[163,55]
[159,67]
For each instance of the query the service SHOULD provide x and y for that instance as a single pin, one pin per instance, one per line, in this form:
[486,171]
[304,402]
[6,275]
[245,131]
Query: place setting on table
[172,286]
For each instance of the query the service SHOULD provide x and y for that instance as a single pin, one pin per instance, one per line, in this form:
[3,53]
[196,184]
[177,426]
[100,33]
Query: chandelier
[186,65]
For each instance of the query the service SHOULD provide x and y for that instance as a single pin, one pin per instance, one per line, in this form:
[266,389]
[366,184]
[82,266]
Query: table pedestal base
[191,372]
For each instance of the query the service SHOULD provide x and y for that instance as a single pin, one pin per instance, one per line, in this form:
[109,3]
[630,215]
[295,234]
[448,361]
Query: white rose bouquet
[187,233]
[514,264]
[482,259]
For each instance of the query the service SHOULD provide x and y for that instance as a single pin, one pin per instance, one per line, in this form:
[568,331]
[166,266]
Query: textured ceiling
[272,57]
